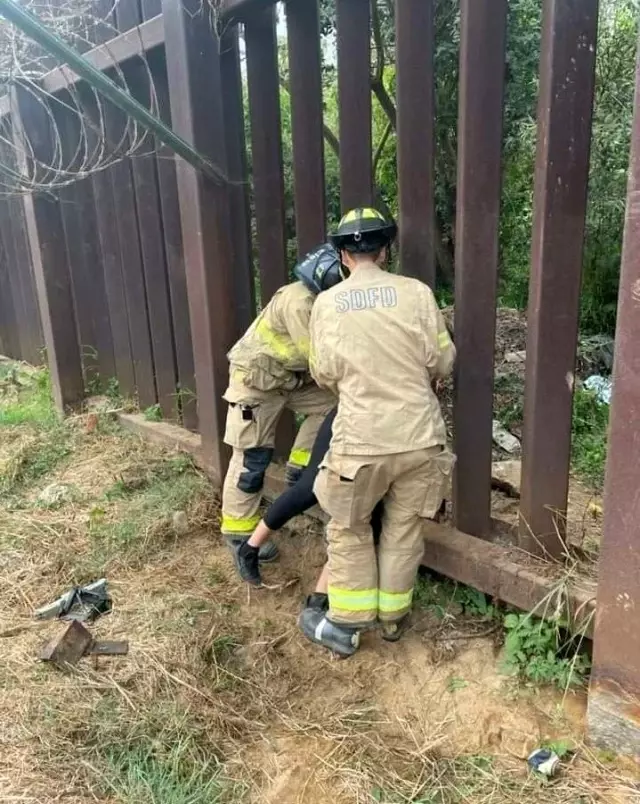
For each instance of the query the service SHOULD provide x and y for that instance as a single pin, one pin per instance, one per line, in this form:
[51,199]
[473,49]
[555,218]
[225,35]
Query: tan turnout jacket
[377,341]
[273,354]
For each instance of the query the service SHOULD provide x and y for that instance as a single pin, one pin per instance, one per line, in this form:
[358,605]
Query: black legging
[300,497]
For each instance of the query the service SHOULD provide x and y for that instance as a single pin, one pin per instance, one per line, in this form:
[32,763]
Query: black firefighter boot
[340,639]
[318,600]
[392,632]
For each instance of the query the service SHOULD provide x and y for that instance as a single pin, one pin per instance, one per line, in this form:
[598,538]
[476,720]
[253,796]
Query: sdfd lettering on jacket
[366,298]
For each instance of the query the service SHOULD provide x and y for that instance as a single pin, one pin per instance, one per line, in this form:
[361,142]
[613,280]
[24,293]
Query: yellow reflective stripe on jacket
[443,340]
[353,600]
[233,524]
[281,345]
[300,457]
[390,602]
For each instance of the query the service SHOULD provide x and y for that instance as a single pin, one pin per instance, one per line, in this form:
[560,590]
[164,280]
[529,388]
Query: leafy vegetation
[617,41]
[153,413]
[589,434]
[536,650]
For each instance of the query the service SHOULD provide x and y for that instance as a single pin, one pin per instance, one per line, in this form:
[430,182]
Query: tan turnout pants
[366,583]
[250,431]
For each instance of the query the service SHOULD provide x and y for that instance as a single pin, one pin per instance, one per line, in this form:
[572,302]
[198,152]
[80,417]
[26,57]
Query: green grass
[145,506]
[589,437]
[139,775]
[162,754]
[32,403]
[36,459]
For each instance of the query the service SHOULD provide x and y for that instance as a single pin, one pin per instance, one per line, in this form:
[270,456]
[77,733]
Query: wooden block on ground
[67,649]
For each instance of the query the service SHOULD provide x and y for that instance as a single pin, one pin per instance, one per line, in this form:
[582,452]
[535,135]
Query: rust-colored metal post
[305,86]
[482,50]
[268,183]
[614,696]
[83,250]
[193,67]
[174,251]
[354,95]
[49,257]
[266,150]
[154,262]
[9,334]
[416,117]
[244,293]
[110,252]
[567,69]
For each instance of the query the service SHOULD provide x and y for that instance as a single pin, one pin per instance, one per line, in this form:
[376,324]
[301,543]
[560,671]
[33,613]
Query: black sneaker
[267,553]
[247,562]
[339,639]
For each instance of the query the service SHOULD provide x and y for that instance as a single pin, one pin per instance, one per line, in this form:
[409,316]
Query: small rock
[504,439]
[506,476]
[516,357]
[54,494]
[91,422]
[180,523]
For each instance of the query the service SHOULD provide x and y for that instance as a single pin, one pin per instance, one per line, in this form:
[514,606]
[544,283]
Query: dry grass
[219,699]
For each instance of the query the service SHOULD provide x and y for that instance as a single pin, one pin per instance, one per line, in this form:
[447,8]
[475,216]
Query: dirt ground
[220,698]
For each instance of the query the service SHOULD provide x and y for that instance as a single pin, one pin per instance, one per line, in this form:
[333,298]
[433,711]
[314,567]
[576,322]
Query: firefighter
[378,341]
[269,371]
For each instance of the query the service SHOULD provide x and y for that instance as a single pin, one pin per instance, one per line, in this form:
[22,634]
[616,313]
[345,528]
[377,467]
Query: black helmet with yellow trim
[320,269]
[364,230]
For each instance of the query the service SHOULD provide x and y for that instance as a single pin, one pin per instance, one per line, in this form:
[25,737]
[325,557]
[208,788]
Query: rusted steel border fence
[149,264]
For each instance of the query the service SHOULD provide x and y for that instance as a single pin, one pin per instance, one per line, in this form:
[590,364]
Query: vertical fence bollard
[478,213]
[354,94]
[614,694]
[49,256]
[415,93]
[565,106]
[193,68]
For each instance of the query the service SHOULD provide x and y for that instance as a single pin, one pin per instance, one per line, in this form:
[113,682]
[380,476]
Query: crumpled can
[544,761]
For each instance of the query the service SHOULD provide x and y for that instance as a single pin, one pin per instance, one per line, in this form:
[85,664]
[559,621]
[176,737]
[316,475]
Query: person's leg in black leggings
[296,500]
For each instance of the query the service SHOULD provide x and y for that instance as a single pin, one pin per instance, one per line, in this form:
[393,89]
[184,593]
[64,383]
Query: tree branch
[380,148]
[329,137]
[384,99]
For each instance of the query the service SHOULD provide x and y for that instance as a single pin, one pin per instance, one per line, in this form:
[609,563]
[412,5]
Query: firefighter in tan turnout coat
[378,340]
[269,371]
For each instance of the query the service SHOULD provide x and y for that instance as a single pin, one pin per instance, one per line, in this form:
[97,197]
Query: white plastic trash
[601,386]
